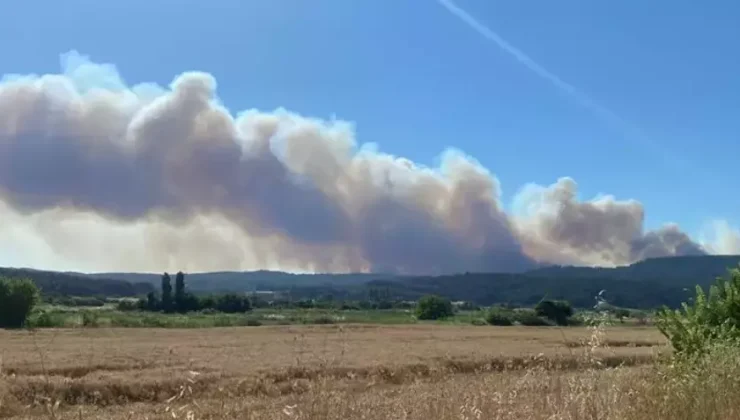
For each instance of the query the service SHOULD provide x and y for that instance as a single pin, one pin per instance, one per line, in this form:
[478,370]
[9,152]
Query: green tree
[621,314]
[433,307]
[558,311]
[180,294]
[233,303]
[166,293]
[151,303]
[711,318]
[17,299]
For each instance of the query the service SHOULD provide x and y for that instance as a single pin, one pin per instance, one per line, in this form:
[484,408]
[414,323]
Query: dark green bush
[188,302]
[75,301]
[90,319]
[233,303]
[433,307]
[500,317]
[529,318]
[46,319]
[621,314]
[558,311]
[127,305]
[152,303]
[17,299]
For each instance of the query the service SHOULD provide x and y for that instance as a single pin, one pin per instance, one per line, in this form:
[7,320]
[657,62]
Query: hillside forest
[647,284]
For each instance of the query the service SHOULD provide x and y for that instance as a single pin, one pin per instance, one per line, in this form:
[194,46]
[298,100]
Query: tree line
[180,300]
[55,283]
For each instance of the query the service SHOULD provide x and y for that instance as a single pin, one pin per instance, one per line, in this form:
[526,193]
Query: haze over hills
[670,270]
[249,280]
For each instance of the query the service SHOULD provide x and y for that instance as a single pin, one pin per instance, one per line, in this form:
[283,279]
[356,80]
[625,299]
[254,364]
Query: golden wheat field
[324,372]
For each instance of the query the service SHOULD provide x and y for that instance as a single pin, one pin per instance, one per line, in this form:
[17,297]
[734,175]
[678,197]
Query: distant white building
[265,294]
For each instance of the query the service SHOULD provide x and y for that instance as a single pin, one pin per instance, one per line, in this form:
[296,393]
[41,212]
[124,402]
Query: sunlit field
[331,371]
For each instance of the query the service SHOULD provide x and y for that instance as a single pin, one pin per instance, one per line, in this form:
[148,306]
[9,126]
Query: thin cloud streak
[599,110]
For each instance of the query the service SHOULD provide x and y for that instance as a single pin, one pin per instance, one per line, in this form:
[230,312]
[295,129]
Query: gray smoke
[149,178]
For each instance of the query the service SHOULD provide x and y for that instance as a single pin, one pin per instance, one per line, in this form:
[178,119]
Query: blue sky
[416,80]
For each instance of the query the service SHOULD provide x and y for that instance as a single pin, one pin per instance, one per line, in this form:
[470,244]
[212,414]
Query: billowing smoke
[147,178]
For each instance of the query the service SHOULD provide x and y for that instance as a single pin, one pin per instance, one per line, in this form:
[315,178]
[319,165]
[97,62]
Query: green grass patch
[54,316]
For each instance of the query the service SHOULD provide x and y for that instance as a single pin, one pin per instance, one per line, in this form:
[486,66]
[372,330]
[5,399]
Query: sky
[415,79]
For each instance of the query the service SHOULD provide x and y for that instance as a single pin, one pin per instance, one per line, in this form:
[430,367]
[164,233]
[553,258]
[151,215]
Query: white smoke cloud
[98,176]
[719,237]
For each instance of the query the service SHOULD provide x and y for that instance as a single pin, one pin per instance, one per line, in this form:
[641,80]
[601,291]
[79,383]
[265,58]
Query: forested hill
[688,270]
[684,271]
[64,284]
[222,281]
[645,284]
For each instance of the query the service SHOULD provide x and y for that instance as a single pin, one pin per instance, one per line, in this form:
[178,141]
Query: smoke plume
[114,177]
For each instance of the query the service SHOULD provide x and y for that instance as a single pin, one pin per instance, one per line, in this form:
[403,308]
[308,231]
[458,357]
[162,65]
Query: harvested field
[264,371]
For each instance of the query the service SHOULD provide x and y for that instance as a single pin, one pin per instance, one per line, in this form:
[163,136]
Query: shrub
[500,317]
[432,307]
[233,303]
[180,299]
[151,303]
[87,301]
[253,322]
[529,318]
[711,318]
[166,303]
[320,320]
[127,305]
[222,321]
[207,302]
[469,306]
[90,319]
[75,301]
[46,319]
[621,314]
[557,311]
[577,321]
[17,299]
[188,303]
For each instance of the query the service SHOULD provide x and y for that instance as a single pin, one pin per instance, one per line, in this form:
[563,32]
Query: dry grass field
[333,372]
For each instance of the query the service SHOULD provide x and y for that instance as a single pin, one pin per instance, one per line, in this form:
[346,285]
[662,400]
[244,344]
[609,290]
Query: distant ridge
[649,283]
[251,280]
[59,283]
